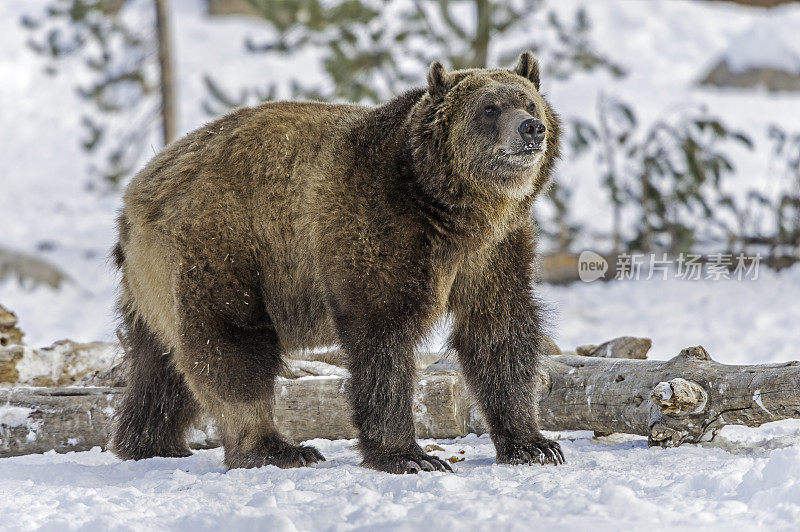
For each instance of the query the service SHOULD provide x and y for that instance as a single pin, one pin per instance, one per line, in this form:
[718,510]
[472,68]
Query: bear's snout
[532,132]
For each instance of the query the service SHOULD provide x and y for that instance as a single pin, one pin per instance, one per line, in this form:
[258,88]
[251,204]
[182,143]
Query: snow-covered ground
[746,478]
[618,484]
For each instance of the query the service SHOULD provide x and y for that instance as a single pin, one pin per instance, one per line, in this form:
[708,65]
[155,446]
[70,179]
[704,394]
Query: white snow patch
[14,416]
[32,435]
[618,483]
[318,368]
[18,416]
[757,399]
[664,390]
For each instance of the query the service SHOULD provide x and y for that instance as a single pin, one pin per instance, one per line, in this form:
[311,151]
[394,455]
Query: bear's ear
[527,67]
[438,80]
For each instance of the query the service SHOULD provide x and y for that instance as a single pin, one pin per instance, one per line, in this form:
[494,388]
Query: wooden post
[166,87]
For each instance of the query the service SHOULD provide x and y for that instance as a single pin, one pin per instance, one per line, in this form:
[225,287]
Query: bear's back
[248,152]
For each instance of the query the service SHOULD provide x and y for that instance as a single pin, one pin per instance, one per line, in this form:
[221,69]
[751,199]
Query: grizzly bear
[294,225]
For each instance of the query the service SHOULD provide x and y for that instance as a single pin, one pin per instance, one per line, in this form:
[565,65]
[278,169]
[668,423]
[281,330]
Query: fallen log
[686,399]
[683,400]
[65,363]
[35,420]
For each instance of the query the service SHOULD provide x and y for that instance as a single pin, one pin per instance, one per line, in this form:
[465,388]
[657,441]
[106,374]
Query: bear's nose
[532,131]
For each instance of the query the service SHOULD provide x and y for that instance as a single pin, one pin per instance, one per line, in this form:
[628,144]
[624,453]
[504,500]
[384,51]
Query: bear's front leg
[379,346]
[497,334]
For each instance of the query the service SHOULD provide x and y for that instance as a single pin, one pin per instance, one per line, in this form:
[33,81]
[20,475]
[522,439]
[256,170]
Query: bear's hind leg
[157,408]
[231,366]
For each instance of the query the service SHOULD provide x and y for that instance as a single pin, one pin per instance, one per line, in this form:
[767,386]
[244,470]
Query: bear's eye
[491,110]
[532,108]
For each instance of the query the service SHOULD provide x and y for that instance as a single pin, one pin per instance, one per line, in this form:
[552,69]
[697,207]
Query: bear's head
[484,130]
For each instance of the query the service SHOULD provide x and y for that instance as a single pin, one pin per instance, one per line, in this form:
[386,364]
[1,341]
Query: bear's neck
[467,216]
[456,207]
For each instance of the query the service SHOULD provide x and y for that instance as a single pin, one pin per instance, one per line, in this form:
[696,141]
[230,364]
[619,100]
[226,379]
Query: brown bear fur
[295,225]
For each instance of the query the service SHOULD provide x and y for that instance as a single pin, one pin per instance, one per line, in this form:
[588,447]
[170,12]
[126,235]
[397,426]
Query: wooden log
[34,420]
[318,407]
[682,400]
[686,399]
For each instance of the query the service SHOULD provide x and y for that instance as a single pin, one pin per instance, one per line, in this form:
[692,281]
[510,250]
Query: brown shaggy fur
[295,225]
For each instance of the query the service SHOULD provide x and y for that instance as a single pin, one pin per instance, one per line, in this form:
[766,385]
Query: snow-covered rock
[765,54]
[62,364]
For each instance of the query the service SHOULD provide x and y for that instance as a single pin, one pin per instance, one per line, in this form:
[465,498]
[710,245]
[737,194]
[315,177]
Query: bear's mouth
[530,149]
[521,156]
[523,150]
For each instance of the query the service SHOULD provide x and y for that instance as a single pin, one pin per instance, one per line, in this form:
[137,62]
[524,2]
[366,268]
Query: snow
[14,416]
[757,400]
[744,478]
[318,369]
[17,416]
[664,390]
[738,322]
[610,483]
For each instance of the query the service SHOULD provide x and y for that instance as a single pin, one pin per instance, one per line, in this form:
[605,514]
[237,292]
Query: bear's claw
[540,451]
[285,457]
[175,452]
[408,463]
